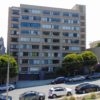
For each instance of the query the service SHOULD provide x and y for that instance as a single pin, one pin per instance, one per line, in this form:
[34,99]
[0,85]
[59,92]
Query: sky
[92,14]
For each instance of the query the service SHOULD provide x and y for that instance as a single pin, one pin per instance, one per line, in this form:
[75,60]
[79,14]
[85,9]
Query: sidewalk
[24,84]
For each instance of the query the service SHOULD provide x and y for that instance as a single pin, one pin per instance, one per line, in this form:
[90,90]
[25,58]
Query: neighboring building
[94,44]
[39,37]
[95,49]
[2,48]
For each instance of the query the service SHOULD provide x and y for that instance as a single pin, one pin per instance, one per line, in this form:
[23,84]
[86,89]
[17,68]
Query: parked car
[3,97]
[76,78]
[32,95]
[59,91]
[93,76]
[58,80]
[4,87]
[86,88]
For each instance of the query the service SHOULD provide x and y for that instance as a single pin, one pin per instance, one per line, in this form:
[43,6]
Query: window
[14,26]
[24,69]
[14,40]
[56,13]
[14,53]
[25,39]
[34,11]
[56,40]
[45,54]
[55,54]
[26,10]
[55,47]
[46,47]
[66,28]
[46,26]
[46,12]
[36,18]
[26,24]
[24,61]
[74,48]
[65,47]
[65,34]
[56,33]
[75,15]
[66,14]
[25,53]
[25,31]
[66,21]
[46,33]
[16,19]
[15,12]
[55,19]
[35,54]
[55,26]
[14,32]
[35,46]
[35,40]
[55,61]
[45,19]
[25,17]
[13,46]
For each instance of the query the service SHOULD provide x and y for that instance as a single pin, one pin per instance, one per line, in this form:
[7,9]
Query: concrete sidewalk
[24,84]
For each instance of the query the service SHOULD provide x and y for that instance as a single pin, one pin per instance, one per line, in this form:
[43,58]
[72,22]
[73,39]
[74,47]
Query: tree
[89,59]
[98,45]
[13,68]
[72,63]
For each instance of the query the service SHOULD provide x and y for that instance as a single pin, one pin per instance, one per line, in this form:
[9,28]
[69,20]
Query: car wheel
[83,91]
[41,98]
[54,96]
[69,94]
[10,88]
[97,89]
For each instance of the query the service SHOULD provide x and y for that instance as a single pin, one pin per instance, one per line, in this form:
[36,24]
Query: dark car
[86,88]
[58,80]
[32,95]
[3,97]
[93,76]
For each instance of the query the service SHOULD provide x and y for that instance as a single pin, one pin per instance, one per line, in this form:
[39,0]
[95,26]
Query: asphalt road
[15,93]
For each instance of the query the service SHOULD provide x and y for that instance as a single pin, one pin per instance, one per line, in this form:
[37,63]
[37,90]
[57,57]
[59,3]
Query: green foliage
[89,58]
[72,62]
[13,68]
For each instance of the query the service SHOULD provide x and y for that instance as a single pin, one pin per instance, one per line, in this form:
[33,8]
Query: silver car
[4,87]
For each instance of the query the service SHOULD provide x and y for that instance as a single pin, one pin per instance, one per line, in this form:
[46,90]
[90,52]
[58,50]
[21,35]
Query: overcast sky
[92,14]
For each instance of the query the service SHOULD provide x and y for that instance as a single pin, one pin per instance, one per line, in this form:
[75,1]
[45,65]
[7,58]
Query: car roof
[25,93]
[83,84]
[54,88]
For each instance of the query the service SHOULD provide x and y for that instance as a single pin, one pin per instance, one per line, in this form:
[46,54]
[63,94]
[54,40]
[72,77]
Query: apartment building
[39,37]
[2,48]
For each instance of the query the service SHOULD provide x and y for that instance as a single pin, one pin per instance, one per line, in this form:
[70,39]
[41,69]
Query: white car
[4,87]
[77,78]
[59,91]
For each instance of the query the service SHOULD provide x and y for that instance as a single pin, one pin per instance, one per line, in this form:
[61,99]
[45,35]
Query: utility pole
[7,89]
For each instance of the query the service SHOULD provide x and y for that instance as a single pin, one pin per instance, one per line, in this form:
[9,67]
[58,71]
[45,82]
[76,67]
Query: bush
[93,96]
[65,98]
[72,98]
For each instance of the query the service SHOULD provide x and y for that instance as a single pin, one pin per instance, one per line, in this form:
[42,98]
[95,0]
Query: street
[15,93]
